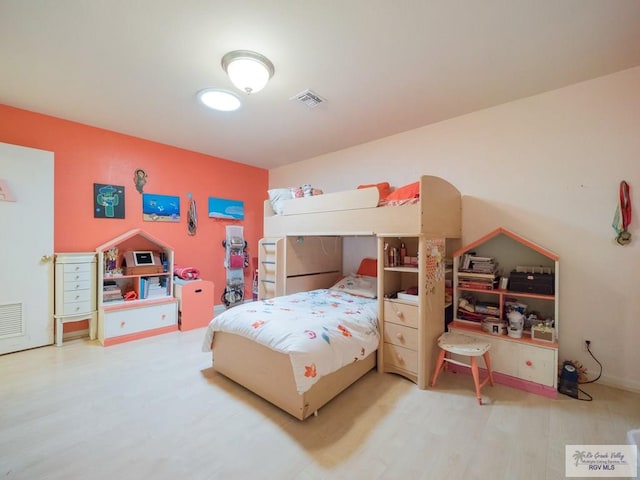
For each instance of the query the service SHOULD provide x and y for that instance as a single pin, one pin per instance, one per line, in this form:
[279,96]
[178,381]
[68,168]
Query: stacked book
[111,293]
[150,287]
[478,311]
[478,272]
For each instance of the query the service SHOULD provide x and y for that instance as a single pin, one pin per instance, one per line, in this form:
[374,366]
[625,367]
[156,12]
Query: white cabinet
[135,288]
[534,364]
[138,319]
[75,291]
[526,362]
[410,325]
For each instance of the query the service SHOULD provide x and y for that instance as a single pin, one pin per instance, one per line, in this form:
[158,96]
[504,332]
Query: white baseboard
[620,383]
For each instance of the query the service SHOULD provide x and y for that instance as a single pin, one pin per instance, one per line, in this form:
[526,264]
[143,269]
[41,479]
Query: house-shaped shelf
[135,288]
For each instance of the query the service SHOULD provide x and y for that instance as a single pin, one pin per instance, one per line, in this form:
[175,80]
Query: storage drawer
[401,314]
[83,295]
[76,267]
[77,285]
[140,319]
[537,365]
[76,276]
[400,335]
[76,308]
[400,357]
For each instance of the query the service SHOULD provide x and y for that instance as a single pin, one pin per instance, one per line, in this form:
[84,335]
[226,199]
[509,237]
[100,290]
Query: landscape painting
[224,208]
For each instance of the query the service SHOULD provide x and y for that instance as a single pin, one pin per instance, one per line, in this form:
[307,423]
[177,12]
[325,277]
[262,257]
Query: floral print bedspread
[321,330]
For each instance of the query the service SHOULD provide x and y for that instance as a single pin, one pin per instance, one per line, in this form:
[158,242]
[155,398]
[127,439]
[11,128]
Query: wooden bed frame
[269,374]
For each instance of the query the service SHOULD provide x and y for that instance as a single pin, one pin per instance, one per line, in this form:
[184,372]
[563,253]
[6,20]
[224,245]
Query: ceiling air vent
[309,98]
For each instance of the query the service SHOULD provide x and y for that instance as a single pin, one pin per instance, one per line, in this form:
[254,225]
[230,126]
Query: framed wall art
[108,201]
[160,208]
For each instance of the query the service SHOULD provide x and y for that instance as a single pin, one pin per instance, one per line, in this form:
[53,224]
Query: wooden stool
[467,346]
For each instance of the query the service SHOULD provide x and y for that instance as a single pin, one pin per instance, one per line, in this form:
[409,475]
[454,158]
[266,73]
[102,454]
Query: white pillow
[276,197]
[358,285]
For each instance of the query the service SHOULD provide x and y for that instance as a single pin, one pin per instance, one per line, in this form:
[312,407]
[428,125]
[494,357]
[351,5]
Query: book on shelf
[469,274]
[470,259]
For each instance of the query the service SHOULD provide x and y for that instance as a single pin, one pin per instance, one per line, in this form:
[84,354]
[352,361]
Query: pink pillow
[368,267]
[405,192]
[383,188]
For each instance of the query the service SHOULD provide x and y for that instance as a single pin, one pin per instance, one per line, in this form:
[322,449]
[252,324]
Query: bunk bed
[436,213]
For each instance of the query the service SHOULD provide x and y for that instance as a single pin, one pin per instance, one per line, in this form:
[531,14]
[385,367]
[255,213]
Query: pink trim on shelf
[510,381]
[137,336]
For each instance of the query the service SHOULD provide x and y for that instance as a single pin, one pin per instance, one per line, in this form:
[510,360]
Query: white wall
[547,167]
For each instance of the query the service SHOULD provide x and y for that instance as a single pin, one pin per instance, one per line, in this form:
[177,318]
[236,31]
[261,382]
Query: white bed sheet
[321,330]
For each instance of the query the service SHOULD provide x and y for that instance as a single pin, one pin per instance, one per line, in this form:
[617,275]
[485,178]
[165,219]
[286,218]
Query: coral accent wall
[85,155]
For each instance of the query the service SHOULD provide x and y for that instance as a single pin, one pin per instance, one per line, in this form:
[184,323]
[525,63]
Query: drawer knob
[399,336]
[400,359]
[528,363]
[399,314]
[122,324]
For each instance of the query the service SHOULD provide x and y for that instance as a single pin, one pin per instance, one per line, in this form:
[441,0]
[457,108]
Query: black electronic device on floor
[569,379]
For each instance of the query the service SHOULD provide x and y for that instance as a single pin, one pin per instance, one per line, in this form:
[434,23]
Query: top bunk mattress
[356,212]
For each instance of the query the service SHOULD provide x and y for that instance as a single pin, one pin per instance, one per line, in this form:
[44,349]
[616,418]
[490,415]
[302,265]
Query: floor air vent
[309,98]
[11,320]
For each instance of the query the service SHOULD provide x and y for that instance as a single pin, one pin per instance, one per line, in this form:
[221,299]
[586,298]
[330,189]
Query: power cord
[589,397]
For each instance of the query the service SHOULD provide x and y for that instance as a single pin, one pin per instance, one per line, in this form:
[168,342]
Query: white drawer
[537,365]
[139,319]
[83,295]
[76,267]
[77,276]
[401,314]
[400,335]
[400,357]
[76,308]
[77,285]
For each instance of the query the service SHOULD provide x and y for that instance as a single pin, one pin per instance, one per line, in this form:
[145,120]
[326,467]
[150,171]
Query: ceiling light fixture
[248,71]
[219,99]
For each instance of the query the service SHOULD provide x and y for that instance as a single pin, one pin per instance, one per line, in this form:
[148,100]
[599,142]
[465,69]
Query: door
[26,248]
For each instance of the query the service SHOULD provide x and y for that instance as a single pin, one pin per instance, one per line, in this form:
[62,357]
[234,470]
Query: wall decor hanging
[160,208]
[5,193]
[140,179]
[225,208]
[108,201]
[622,216]
[192,216]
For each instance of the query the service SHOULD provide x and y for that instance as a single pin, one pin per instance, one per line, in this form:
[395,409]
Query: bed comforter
[321,330]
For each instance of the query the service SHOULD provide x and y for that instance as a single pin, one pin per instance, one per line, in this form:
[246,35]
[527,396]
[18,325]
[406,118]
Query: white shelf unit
[75,291]
[410,328]
[123,320]
[524,363]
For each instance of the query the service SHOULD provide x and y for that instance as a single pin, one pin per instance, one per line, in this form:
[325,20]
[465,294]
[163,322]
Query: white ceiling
[385,66]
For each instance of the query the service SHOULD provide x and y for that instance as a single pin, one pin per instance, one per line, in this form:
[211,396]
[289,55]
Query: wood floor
[155,409]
